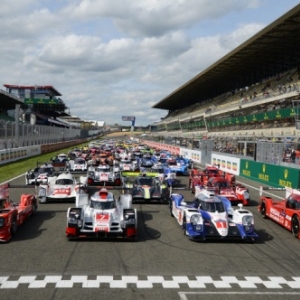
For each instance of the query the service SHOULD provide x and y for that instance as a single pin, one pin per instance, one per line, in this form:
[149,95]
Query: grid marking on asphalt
[198,282]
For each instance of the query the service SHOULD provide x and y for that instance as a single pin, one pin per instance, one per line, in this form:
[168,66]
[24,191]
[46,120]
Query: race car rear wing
[139,173]
[288,191]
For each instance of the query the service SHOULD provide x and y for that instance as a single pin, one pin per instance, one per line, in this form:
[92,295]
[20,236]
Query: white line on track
[184,295]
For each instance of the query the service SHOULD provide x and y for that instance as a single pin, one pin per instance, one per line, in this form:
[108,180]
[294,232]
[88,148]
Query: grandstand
[251,93]
[42,104]
[36,115]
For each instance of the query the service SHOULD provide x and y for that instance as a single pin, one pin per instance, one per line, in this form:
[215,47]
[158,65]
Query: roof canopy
[273,50]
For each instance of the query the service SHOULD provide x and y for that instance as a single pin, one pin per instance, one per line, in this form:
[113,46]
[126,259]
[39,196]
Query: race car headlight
[42,192]
[129,218]
[1,222]
[248,223]
[247,220]
[246,195]
[196,219]
[196,222]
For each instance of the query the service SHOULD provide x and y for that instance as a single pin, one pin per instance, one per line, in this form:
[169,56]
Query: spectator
[293,155]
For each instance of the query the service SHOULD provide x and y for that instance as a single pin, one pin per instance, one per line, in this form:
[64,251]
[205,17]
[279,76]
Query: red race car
[12,215]
[222,186]
[285,212]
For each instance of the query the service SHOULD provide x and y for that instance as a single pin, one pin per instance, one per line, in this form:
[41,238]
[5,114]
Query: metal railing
[14,135]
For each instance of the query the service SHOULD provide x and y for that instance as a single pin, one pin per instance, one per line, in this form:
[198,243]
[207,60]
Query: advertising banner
[270,175]
[226,164]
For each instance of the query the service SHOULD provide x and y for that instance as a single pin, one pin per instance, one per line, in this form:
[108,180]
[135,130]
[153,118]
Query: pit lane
[162,264]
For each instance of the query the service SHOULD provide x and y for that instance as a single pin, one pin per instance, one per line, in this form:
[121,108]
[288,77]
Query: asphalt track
[40,263]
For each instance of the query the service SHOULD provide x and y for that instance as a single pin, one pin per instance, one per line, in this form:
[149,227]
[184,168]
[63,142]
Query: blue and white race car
[178,167]
[212,216]
[146,161]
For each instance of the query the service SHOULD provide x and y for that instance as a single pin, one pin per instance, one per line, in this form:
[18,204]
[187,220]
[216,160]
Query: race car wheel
[34,206]
[171,207]
[263,210]
[295,226]
[14,226]
[184,225]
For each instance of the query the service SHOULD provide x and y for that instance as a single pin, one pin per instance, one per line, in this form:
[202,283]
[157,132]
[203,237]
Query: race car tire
[171,207]
[263,210]
[34,207]
[14,226]
[184,225]
[295,226]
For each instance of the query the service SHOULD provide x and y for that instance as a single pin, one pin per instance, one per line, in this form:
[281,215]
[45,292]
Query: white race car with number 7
[98,213]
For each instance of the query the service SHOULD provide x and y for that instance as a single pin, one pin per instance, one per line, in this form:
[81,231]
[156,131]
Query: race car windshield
[212,171]
[145,181]
[45,170]
[102,204]
[64,181]
[212,206]
[293,203]
[222,184]
[80,161]
[102,170]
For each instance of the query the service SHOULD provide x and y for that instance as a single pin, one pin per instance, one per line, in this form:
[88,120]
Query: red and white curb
[148,282]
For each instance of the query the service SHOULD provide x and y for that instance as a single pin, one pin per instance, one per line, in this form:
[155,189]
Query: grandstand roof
[273,50]
[8,101]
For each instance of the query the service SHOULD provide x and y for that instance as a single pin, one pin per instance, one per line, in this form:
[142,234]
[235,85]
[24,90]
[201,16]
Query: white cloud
[114,58]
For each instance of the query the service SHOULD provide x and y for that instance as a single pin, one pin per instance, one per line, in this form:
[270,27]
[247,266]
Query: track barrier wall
[264,173]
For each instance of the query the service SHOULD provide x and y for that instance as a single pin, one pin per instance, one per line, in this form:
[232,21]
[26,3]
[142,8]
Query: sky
[114,58]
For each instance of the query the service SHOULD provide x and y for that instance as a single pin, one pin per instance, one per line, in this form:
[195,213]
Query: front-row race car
[285,212]
[211,216]
[98,213]
[13,215]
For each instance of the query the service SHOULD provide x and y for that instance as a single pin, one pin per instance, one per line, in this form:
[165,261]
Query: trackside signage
[9,155]
[194,155]
[272,175]
[226,164]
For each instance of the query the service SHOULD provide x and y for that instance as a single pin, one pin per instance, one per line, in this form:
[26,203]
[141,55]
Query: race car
[182,160]
[212,216]
[97,175]
[99,214]
[146,161]
[146,186]
[128,165]
[165,174]
[78,165]
[72,154]
[58,188]
[13,215]
[285,212]
[40,173]
[59,160]
[179,168]
[236,194]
